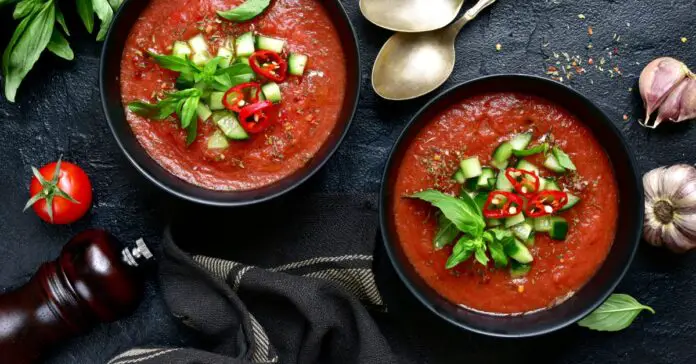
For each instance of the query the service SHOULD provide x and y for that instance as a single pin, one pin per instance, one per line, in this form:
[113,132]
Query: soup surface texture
[305,118]
[475,127]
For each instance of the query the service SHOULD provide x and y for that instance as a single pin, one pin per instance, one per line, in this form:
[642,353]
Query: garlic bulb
[670,207]
[668,85]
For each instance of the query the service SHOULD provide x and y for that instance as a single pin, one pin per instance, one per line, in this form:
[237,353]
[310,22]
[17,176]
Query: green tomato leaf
[615,314]
[247,11]
[60,46]
[563,159]
[86,12]
[28,41]
[462,213]
[446,233]
[105,13]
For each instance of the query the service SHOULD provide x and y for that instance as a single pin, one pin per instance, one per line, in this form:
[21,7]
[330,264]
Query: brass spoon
[410,15]
[412,64]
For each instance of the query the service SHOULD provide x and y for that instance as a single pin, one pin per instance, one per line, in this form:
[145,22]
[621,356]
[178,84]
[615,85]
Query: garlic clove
[671,107]
[688,100]
[657,80]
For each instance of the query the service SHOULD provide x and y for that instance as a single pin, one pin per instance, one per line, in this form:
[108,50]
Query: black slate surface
[59,113]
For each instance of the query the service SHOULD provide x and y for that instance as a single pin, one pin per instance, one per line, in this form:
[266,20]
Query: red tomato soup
[302,122]
[474,128]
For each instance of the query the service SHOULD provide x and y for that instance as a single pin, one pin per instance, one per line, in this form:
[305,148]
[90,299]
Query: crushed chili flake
[589,30]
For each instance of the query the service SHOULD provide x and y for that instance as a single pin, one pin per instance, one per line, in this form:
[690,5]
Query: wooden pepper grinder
[94,280]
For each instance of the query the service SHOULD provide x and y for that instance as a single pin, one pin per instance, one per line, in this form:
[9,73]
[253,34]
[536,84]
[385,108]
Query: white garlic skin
[656,81]
[670,207]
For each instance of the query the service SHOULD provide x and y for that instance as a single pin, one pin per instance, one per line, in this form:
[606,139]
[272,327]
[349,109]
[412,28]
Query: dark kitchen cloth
[306,308]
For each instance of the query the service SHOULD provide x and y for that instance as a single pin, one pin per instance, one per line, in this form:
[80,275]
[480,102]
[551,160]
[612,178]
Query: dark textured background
[59,113]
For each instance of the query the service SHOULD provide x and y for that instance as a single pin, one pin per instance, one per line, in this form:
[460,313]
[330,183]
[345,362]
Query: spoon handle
[470,14]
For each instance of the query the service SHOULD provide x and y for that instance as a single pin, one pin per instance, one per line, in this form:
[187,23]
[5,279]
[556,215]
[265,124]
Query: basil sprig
[184,103]
[42,26]
[247,11]
[615,314]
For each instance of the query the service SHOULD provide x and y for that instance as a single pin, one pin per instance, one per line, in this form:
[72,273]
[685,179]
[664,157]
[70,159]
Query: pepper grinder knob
[138,254]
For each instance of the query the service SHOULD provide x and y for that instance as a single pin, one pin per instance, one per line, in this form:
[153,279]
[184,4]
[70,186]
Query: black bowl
[628,231]
[113,108]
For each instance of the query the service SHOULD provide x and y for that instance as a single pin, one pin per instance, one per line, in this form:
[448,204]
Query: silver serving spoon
[410,15]
[412,64]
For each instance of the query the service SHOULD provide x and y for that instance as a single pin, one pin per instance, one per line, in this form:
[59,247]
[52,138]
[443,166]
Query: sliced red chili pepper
[502,204]
[255,118]
[546,203]
[525,183]
[270,65]
[236,97]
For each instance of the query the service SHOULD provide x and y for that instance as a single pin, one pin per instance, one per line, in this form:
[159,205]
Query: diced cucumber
[531,240]
[471,167]
[572,201]
[542,224]
[518,270]
[520,141]
[218,141]
[229,125]
[563,158]
[552,164]
[215,101]
[551,185]
[270,44]
[514,220]
[522,231]
[471,184]
[541,148]
[198,44]
[493,222]
[203,111]
[227,57]
[519,252]
[527,166]
[502,183]
[297,63]
[200,59]
[181,49]
[459,176]
[245,45]
[559,228]
[501,155]
[486,174]
[272,92]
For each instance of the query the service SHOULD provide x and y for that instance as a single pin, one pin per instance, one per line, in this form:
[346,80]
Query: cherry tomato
[60,198]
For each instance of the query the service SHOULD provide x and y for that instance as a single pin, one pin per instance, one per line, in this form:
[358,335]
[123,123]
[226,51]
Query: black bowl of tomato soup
[317,107]
[568,278]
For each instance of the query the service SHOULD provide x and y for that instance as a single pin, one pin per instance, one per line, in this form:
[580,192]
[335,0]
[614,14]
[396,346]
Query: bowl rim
[398,265]
[212,202]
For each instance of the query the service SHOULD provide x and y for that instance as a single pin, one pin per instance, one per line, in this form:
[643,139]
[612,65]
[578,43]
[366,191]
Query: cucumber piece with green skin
[501,156]
[459,176]
[218,141]
[563,158]
[531,240]
[541,148]
[245,45]
[502,183]
[521,141]
[527,166]
[229,125]
[181,49]
[519,252]
[272,93]
[514,220]
[550,185]
[270,44]
[227,57]
[201,59]
[522,231]
[542,224]
[553,165]
[203,111]
[493,222]
[482,182]
[215,101]
[559,228]
[518,270]
[471,184]
[572,201]
[297,64]
[471,167]
[198,44]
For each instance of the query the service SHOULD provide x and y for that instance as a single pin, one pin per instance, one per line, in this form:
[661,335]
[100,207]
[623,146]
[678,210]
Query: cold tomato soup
[475,127]
[301,122]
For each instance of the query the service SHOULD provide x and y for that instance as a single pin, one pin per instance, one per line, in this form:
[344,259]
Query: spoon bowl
[410,16]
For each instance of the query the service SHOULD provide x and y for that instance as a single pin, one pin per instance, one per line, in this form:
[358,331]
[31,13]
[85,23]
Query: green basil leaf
[60,19]
[175,63]
[446,233]
[192,132]
[105,13]
[563,158]
[28,41]
[500,259]
[115,4]
[247,11]
[234,75]
[86,12]
[60,46]
[462,213]
[188,111]
[208,72]
[461,252]
[25,8]
[481,256]
[615,314]
[7,2]
[158,111]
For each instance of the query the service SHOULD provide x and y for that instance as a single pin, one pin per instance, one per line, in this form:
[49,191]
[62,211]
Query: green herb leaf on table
[26,7]
[60,46]
[105,13]
[446,233]
[7,2]
[86,12]
[60,19]
[247,11]
[615,314]
[563,158]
